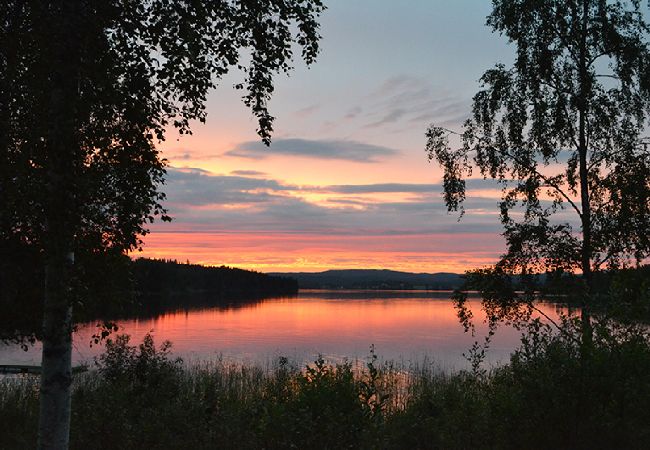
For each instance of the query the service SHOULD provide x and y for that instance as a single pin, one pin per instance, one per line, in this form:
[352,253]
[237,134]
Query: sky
[346,182]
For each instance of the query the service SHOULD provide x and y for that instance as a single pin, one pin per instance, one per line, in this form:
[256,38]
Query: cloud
[196,187]
[248,173]
[382,188]
[322,149]
[181,155]
[408,101]
[200,200]
[393,84]
[348,201]
[415,188]
[392,116]
[307,111]
[353,112]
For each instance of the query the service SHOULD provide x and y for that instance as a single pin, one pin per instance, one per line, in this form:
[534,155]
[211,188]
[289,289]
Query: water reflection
[402,325]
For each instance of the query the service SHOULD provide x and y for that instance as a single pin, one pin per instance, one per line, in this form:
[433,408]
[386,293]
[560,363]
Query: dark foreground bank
[551,395]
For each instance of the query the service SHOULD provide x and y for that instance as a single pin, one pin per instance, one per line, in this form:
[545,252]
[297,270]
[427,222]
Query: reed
[546,397]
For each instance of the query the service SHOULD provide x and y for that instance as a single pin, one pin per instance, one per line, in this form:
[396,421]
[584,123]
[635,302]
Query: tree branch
[564,41]
[602,261]
[532,169]
[559,328]
[555,84]
[548,182]
[643,143]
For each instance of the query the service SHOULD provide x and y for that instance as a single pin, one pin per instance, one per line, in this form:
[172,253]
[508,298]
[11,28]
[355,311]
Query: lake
[404,326]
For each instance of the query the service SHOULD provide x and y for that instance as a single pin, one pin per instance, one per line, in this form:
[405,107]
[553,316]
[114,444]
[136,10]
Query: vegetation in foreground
[548,396]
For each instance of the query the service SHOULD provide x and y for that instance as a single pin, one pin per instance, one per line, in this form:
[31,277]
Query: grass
[548,396]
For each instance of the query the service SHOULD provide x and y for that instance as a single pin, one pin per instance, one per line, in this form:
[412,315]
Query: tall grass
[548,396]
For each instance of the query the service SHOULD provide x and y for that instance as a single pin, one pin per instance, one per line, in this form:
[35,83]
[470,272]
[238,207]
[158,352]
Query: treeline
[155,276]
[112,286]
[621,293]
[159,285]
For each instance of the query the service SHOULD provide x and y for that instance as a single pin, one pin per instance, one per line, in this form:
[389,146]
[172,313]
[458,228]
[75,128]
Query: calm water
[403,326]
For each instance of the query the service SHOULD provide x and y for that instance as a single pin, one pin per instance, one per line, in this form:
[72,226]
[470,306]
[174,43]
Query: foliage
[562,131]
[87,90]
[18,412]
[625,294]
[143,364]
[159,276]
[547,396]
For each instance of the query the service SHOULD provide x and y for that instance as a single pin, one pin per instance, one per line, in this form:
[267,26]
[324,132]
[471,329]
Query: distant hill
[373,279]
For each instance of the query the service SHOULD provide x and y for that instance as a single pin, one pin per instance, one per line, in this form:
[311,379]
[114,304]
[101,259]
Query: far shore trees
[564,132]
[87,88]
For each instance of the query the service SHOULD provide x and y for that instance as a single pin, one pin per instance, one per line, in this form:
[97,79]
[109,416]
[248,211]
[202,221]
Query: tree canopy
[564,132]
[87,89]
[120,74]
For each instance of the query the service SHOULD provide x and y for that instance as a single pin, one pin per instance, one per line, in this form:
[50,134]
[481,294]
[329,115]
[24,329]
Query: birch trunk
[56,375]
[61,217]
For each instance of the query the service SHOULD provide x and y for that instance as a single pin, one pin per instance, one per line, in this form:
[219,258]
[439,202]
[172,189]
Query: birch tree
[87,89]
[564,132]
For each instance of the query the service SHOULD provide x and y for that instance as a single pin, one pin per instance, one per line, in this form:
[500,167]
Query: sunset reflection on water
[405,326]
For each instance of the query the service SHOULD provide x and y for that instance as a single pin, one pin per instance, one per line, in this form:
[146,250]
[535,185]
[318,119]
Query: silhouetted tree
[562,131]
[86,89]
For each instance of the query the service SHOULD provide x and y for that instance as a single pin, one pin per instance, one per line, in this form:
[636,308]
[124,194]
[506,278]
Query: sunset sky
[346,183]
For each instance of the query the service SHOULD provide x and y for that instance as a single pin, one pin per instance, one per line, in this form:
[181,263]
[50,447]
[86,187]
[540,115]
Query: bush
[550,395]
[143,364]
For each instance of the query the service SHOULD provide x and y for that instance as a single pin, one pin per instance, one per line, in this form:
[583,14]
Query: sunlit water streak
[404,326]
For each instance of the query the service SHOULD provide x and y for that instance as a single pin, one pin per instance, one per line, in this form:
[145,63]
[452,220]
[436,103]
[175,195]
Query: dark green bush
[550,395]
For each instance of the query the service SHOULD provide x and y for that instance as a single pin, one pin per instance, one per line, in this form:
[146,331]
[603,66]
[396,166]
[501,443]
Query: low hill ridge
[373,279]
